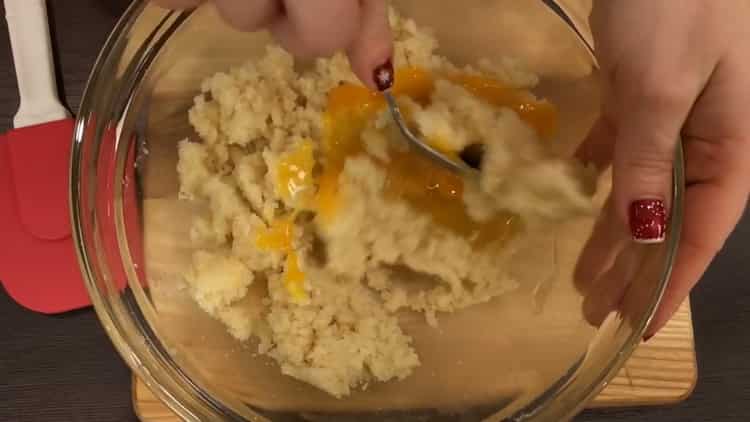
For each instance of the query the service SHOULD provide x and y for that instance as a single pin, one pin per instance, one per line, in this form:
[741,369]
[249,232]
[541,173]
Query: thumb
[370,53]
[649,119]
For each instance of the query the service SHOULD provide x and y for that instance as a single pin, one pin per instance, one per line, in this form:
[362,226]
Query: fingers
[177,4]
[648,128]
[652,82]
[373,45]
[312,28]
[317,27]
[718,174]
[717,154]
[712,209]
[249,15]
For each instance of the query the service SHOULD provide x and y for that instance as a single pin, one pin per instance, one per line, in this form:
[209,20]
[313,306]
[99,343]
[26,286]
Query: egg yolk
[431,189]
[539,114]
[278,237]
[410,176]
[294,278]
[294,175]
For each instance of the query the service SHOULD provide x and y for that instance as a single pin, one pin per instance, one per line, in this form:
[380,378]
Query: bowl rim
[181,399]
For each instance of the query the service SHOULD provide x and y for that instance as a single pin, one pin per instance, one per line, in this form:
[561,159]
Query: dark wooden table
[64,368]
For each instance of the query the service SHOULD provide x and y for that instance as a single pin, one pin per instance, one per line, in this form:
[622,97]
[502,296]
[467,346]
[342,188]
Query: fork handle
[32,55]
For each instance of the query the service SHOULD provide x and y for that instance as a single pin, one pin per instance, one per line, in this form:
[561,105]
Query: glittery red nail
[383,75]
[648,220]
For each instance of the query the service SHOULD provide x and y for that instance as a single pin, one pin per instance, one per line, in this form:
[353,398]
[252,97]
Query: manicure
[383,76]
[647,338]
[648,220]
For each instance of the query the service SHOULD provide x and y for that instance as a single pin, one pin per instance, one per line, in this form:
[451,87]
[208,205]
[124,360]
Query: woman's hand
[313,28]
[671,69]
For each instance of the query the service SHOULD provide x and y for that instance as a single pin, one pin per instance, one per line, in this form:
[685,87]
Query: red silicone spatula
[37,262]
[38,265]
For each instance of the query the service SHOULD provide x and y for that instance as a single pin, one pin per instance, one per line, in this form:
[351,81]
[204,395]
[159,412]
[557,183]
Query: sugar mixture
[310,190]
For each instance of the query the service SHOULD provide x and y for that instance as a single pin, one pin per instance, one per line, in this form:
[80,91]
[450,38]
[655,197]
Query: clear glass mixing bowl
[528,355]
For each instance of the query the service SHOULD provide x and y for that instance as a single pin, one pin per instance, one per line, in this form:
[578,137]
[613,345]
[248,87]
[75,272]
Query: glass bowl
[528,355]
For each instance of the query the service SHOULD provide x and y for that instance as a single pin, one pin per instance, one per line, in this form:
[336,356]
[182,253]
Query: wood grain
[662,371]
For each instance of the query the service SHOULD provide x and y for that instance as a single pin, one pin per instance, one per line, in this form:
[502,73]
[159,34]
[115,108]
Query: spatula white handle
[32,55]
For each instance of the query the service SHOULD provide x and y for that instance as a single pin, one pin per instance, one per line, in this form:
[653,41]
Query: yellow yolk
[278,237]
[350,107]
[443,146]
[410,176]
[419,84]
[294,278]
[541,115]
[294,175]
[438,192]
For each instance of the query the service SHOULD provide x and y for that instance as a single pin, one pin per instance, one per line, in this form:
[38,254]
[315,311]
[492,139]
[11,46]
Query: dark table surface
[63,368]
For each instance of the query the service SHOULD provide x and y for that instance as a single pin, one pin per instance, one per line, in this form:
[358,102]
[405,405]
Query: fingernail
[648,220]
[383,75]
[647,338]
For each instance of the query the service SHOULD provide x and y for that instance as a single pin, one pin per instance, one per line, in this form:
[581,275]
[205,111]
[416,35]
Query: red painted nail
[647,338]
[383,75]
[648,220]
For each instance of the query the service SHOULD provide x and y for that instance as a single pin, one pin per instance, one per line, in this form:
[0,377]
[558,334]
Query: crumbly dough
[340,253]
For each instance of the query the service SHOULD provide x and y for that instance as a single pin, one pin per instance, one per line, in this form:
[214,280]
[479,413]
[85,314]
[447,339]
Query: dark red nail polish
[648,220]
[383,75]
[647,338]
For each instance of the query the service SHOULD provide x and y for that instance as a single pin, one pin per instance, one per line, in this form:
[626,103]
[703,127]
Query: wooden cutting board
[662,371]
